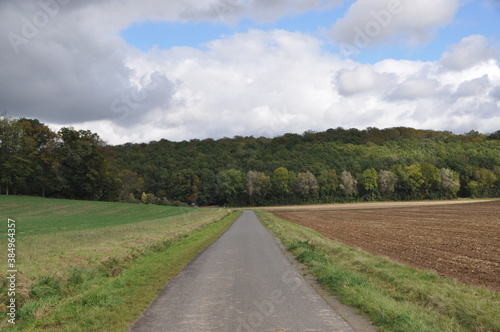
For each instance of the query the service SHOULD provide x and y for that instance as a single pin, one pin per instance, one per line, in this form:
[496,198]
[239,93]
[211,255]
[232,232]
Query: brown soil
[371,205]
[458,241]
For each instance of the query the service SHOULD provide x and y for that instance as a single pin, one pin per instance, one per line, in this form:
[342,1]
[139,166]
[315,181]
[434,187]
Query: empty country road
[242,282]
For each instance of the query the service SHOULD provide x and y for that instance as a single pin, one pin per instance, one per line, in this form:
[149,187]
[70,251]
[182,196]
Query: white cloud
[468,52]
[269,83]
[231,11]
[62,72]
[77,71]
[416,88]
[362,79]
[476,87]
[239,80]
[372,22]
[495,93]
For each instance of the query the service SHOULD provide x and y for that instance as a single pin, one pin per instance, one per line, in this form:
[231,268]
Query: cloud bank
[65,63]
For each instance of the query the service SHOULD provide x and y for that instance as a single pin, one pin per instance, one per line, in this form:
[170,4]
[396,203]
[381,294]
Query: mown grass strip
[395,297]
[101,300]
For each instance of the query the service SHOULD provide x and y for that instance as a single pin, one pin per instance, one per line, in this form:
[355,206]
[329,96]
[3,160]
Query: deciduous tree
[431,180]
[329,183]
[369,183]
[82,166]
[281,181]
[131,184]
[348,184]
[387,183]
[231,183]
[450,182]
[307,185]
[415,180]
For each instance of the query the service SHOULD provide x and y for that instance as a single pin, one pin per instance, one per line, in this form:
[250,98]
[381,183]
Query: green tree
[15,161]
[157,178]
[131,185]
[39,144]
[369,183]
[329,183]
[149,199]
[415,180]
[431,180]
[496,186]
[292,185]
[474,189]
[231,183]
[495,135]
[82,167]
[208,187]
[281,182]
[185,186]
[263,184]
[403,189]
[486,181]
[394,150]
[7,139]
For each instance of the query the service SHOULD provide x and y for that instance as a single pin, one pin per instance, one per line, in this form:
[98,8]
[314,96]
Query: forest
[337,165]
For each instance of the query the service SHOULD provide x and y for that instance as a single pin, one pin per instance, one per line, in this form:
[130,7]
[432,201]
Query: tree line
[338,165]
[34,160]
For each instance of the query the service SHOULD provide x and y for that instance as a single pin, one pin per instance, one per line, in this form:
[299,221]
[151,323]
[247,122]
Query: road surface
[242,282]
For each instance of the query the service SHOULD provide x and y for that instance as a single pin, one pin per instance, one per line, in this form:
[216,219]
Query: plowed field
[458,241]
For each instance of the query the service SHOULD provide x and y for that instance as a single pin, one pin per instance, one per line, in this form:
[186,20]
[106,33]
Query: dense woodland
[337,165]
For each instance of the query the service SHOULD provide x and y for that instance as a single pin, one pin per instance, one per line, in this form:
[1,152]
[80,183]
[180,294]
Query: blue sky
[474,17]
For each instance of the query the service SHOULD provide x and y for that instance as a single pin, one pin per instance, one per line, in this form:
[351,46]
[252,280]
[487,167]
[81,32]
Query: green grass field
[68,251]
[38,216]
[395,297]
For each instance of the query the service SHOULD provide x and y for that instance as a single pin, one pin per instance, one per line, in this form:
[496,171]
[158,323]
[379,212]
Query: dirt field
[458,241]
[374,205]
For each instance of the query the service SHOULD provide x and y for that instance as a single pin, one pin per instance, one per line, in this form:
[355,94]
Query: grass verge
[107,303]
[101,278]
[393,296]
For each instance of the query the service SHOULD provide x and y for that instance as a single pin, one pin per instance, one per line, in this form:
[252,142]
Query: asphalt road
[242,282]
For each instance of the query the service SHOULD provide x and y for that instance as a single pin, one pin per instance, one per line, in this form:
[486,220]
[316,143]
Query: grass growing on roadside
[394,296]
[74,266]
[112,303]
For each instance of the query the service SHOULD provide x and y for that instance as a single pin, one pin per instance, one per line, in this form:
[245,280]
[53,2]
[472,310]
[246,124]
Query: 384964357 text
[12,271]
